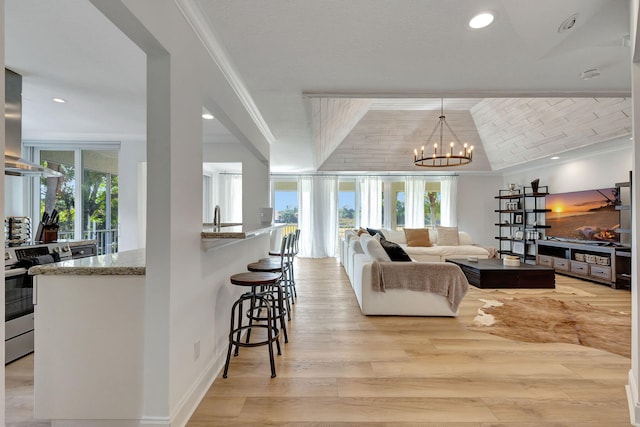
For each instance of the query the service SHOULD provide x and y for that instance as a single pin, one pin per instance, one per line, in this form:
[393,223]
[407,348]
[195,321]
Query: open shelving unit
[521,221]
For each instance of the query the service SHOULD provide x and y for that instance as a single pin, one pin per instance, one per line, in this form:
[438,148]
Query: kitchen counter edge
[127,263]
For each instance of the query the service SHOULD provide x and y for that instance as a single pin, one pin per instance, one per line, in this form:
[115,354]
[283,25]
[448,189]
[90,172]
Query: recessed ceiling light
[568,23]
[555,158]
[59,100]
[207,116]
[481,20]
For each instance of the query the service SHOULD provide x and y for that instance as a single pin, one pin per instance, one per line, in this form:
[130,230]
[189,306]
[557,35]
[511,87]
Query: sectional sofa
[363,266]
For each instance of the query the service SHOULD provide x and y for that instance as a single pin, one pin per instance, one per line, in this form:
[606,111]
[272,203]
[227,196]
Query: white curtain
[414,201]
[230,197]
[449,201]
[318,216]
[370,201]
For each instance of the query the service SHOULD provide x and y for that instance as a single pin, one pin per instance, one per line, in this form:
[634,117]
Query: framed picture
[518,248]
[517,218]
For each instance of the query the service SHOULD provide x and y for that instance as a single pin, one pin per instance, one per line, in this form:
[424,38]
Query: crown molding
[203,29]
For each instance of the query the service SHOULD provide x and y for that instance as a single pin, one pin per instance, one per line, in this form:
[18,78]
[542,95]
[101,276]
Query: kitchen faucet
[217,221]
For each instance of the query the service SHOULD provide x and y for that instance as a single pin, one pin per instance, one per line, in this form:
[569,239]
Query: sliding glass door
[85,197]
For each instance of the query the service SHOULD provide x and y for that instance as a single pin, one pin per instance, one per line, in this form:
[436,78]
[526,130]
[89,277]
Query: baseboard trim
[632,399]
[192,398]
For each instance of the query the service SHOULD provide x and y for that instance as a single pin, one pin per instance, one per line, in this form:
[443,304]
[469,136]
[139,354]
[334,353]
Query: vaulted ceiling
[351,85]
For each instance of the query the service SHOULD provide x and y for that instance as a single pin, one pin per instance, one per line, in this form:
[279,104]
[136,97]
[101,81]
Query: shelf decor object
[456,154]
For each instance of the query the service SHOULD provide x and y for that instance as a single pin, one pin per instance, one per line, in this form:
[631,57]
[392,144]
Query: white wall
[476,205]
[602,168]
[132,154]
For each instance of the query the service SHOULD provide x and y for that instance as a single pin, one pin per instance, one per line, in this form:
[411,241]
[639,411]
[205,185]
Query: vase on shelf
[534,185]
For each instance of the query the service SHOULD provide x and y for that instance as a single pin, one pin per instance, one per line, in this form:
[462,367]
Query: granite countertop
[127,263]
[236,231]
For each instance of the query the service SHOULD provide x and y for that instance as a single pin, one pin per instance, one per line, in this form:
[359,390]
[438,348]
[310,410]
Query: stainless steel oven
[18,294]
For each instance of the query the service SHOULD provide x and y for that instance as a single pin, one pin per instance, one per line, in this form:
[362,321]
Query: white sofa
[434,253]
[401,302]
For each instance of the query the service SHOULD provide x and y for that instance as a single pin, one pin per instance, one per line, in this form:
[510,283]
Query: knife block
[49,233]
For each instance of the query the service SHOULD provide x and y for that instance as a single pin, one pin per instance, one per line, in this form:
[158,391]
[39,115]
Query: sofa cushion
[395,251]
[373,249]
[361,231]
[465,238]
[417,237]
[448,236]
[373,232]
[394,235]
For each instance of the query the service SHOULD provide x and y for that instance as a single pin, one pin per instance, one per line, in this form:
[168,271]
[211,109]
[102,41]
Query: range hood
[13,163]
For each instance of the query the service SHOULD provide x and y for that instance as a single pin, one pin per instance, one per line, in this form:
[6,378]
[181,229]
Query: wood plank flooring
[341,368]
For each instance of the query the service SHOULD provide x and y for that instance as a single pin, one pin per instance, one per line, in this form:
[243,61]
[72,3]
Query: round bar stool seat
[253,296]
[283,306]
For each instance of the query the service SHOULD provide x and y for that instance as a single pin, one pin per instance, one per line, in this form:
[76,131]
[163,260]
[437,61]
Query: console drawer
[579,267]
[561,264]
[545,260]
[600,272]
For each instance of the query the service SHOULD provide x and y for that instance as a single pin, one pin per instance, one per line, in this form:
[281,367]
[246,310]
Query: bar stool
[281,297]
[255,299]
[289,248]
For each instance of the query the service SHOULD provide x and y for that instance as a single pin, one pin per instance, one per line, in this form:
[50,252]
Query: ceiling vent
[590,74]
[568,23]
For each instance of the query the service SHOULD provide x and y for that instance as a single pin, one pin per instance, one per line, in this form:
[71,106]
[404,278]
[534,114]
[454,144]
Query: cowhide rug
[545,319]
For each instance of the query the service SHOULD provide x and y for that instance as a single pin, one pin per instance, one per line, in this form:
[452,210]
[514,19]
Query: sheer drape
[318,216]
[449,203]
[414,201]
[370,188]
[230,197]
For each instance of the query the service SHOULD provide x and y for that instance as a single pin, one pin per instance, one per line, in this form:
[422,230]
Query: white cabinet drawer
[545,260]
[600,272]
[579,267]
[561,264]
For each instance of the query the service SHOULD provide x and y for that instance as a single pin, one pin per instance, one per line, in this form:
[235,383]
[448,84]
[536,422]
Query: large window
[285,204]
[346,205]
[85,197]
[432,198]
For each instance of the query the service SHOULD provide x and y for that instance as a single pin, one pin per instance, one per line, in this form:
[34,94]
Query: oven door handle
[15,272]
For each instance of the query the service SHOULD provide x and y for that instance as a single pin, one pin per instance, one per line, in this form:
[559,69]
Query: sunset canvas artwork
[584,215]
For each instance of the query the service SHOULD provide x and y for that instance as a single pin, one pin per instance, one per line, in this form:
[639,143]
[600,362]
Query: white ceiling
[329,77]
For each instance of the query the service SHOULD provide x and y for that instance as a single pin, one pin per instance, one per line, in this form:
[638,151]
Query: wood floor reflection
[341,368]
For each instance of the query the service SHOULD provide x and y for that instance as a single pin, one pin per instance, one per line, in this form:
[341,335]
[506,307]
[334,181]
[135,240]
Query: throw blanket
[442,278]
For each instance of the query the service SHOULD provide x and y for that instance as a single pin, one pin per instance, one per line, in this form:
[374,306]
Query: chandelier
[456,154]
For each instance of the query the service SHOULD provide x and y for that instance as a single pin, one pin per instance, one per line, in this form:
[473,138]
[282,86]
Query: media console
[599,263]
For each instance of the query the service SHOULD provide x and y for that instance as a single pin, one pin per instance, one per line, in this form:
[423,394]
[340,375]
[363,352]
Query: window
[432,199]
[397,213]
[85,197]
[285,204]
[346,206]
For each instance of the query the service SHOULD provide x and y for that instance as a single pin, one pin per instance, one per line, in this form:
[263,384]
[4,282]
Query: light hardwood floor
[342,368]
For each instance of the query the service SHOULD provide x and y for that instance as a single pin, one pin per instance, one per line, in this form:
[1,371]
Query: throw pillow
[373,232]
[395,251]
[465,238]
[417,237]
[362,231]
[373,249]
[448,236]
